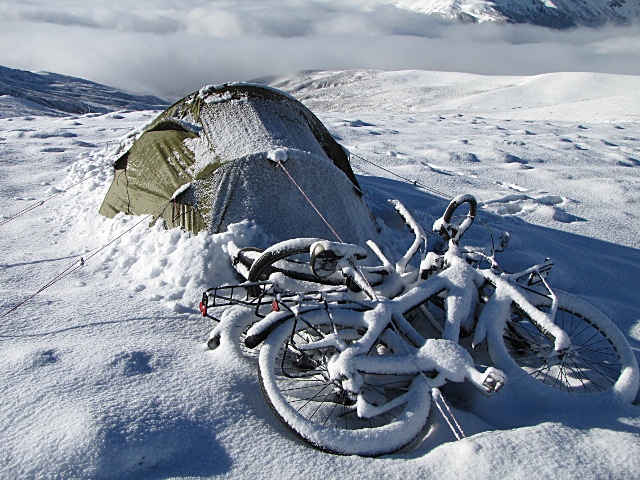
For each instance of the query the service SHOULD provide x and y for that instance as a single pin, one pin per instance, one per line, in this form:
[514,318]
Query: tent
[211,160]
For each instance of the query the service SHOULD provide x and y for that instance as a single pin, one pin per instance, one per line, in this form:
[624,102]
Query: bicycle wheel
[296,384]
[600,358]
[235,321]
[430,318]
[290,257]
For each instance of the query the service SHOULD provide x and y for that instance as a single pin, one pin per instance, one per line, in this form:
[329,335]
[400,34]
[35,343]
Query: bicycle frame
[344,367]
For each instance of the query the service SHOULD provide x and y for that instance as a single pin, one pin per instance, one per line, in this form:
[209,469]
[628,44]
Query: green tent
[211,160]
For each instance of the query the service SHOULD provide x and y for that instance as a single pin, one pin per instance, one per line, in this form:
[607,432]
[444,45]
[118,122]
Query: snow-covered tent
[211,160]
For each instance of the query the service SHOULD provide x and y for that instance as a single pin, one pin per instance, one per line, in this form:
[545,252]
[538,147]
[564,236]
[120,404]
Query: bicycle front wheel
[290,257]
[295,381]
[599,360]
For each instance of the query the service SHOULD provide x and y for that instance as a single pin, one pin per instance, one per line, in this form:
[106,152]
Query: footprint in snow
[629,162]
[357,123]
[510,209]
[133,363]
[84,144]
[560,215]
[467,157]
[45,135]
[550,200]
[45,357]
[508,158]
[514,204]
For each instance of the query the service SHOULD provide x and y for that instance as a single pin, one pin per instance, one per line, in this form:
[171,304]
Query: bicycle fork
[434,364]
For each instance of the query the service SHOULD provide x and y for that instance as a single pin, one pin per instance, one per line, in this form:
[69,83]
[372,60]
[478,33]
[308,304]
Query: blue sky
[170,48]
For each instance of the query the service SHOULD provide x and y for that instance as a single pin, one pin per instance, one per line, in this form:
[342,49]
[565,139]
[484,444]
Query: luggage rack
[264,297]
[240,294]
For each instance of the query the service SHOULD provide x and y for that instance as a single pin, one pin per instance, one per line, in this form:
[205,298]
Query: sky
[170,48]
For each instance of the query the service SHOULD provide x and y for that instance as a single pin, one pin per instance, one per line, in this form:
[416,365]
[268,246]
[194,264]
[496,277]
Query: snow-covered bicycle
[351,368]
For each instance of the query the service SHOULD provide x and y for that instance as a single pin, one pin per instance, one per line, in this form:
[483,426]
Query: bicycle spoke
[606,375]
[608,366]
[591,381]
[600,352]
[579,374]
[567,382]
[330,414]
[300,388]
[319,405]
[535,373]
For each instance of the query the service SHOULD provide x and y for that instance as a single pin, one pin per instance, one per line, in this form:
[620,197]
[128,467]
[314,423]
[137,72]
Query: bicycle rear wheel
[600,358]
[296,384]
[290,257]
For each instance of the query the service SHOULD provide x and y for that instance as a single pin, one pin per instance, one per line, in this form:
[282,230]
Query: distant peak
[548,13]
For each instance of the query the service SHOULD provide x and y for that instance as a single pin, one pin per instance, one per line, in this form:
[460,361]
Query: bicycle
[347,372]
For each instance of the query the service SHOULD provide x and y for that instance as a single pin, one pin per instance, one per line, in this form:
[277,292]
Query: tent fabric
[207,158]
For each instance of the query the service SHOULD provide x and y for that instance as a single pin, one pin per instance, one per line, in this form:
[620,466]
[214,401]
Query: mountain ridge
[562,96]
[44,93]
[548,13]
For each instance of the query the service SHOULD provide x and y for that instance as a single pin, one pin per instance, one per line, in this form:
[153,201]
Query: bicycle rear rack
[264,297]
[240,294]
[536,277]
[535,280]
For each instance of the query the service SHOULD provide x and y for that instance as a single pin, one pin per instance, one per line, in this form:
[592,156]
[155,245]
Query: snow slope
[25,93]
[556,13]
[105,374]
[572,97]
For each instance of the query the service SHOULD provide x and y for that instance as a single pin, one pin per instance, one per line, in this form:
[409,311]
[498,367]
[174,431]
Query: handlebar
[443,224]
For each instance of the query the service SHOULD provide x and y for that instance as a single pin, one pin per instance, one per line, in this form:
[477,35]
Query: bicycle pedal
[494,380]
[213,342]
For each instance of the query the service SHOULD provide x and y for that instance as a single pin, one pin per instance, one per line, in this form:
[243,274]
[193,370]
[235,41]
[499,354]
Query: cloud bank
[171,48]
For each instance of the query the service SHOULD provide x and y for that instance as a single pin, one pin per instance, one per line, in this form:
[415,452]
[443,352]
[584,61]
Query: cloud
[170,48]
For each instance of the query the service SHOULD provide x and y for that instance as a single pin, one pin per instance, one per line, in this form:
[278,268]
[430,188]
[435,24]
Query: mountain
[561,96]
[43,93]
[548,13]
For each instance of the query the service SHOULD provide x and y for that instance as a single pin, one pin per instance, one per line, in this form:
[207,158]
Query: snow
[556,13]
[106,375]
[278,155]
[238,128]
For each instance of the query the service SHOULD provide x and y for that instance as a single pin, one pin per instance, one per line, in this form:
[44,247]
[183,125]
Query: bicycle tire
[279,257]
[315,409]
[600,359]
[236,320]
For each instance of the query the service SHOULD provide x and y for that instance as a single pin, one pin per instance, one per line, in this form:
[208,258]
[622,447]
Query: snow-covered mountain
[548,13]
[43,93]
[562,96]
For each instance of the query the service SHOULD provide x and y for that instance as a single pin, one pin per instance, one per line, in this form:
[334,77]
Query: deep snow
[106,375]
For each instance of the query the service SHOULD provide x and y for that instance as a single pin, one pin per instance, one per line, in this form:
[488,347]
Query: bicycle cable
[435,392]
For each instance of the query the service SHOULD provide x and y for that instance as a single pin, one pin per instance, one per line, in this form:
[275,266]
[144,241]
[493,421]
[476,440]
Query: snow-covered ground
[106,375]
